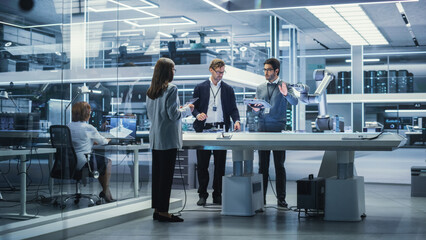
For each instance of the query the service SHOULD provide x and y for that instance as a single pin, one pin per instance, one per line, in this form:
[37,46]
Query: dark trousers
[163,167]
[203,161]
[279,158]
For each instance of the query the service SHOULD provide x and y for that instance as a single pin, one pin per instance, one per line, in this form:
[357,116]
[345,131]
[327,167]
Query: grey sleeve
[172,105]
[291,98]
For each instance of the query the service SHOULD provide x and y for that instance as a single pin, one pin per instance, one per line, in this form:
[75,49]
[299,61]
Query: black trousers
[203,161]
[163,167]
[281,178]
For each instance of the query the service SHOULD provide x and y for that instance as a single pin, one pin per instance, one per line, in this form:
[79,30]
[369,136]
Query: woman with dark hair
[84,136]
[165,135]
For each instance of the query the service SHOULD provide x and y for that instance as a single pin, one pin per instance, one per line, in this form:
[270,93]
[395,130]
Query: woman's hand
[191,106]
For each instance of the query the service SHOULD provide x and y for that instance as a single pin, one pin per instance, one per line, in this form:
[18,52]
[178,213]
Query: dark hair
[80,112]
[216,63]
[275,63]
[163,74]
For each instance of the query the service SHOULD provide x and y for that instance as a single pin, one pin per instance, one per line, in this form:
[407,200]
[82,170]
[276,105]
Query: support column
[274,29]
[357,72]
[298,116]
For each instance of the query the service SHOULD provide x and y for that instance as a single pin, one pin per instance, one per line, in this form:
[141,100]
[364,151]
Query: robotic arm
[322,79]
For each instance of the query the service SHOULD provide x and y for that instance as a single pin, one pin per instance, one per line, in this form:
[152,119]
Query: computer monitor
[118,123]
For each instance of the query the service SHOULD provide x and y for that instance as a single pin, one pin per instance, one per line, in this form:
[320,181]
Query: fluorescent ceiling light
[245,93]
[216,6]
[351,23]
[184,34]
[365,60]
[69,24]
[186,20]
[149,5]
[128,35]
[268,44]
[165,35]
[130,7]
[406,110]
[96,91]
[407,22]
[186,90]
[400,8]
[132,23]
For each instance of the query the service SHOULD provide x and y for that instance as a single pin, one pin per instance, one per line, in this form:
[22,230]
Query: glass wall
[53,55]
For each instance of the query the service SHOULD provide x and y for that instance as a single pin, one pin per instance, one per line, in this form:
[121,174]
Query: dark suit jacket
[229,106]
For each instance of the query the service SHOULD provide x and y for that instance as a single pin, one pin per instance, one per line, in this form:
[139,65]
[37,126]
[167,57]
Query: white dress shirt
[215,116]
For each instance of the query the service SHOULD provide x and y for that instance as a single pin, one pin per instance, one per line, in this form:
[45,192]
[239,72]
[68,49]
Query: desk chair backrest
[65,156]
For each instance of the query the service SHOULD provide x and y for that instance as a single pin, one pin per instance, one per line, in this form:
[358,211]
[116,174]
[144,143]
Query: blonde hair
[216,63]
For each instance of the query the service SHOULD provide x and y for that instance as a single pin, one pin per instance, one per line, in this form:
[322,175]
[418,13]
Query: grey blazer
[165,116]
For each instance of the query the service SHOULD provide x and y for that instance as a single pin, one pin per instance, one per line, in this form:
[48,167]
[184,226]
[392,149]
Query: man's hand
[237,126]
[201,117]
[283,89]
[256,107]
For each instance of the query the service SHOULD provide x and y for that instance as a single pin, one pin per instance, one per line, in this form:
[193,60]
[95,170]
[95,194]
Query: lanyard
[270,95]
[214,95]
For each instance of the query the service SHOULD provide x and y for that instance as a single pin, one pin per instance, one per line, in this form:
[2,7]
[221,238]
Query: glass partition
[52,56]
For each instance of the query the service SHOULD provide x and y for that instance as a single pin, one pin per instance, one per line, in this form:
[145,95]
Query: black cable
[11,187]
[42,177]
[8,169]
[375,137]
[178,213]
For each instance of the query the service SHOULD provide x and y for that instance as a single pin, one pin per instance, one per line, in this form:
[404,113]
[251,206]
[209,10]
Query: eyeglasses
[220,73]
[174,70]
[267,70]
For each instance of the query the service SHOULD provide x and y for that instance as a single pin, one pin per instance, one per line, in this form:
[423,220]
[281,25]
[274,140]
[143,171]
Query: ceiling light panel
[351,23]
[166,21]
[120,5]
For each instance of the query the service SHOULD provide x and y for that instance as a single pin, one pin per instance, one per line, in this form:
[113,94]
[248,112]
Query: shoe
[201,201]
[107,200]
[282,203]
[217,200]
[155,216]
[172,218]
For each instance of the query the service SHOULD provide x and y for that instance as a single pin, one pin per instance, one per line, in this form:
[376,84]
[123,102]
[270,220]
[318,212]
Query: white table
[337,161]
[131,147]
[22,215]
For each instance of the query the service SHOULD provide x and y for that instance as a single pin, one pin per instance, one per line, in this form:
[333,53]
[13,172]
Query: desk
[414,137]
[23,169]
[135,148]
[339,148]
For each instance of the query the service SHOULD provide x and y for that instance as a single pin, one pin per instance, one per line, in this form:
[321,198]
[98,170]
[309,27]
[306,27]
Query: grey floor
[391,214]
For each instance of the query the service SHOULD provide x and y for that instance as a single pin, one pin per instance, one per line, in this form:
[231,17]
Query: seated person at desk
[84,136]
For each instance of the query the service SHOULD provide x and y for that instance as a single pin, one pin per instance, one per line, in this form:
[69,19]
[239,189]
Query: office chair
[65,163]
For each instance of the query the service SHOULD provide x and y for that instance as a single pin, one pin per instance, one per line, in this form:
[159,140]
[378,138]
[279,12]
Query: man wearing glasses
[213,110]
[273,119]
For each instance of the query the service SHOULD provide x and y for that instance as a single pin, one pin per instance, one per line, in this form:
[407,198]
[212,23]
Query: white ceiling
[250,26]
